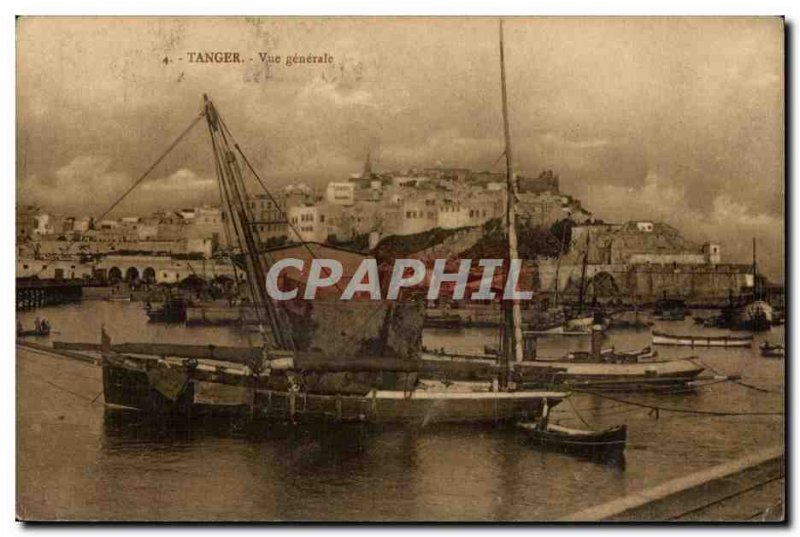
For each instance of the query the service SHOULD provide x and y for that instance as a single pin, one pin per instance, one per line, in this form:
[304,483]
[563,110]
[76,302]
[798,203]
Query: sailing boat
[288,379]
[521,347]
[750,312]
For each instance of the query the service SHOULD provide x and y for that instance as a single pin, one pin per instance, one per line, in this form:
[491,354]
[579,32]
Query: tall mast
[234,193]
[582,288]
[512,315]
[755,270]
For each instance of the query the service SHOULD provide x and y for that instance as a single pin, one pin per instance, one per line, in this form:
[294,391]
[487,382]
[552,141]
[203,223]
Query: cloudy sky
[673,119]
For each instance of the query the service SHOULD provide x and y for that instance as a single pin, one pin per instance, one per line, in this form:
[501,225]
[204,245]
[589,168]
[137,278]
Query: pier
[33,293]
[746,489]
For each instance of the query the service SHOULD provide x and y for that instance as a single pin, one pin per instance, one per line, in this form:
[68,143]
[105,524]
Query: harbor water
[77,460]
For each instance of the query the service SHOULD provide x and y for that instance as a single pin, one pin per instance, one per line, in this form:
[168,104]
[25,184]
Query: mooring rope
[659,408]
[735,381]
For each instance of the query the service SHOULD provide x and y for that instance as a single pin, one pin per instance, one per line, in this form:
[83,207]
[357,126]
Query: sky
[674,119]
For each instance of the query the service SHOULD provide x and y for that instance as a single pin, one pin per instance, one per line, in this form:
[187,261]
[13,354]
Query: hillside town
[638,260]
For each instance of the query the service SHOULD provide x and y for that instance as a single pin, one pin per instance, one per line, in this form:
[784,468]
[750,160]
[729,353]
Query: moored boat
[772,351]
[755,316]
[609,443]
[173,310]
[354,365]
[565,374]
[41,332]
[692,340]
[670,309]
[364,390]
[666,376]
[611,355]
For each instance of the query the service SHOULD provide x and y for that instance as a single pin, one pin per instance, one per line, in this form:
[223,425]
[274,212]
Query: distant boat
[672,315]
[661,338]
[772,351]
[218,314]
[755,316]
[595,444]
[173,310]
[37,332]
[597,375]
[670,309]
[614,356]
[635,324]
[581,326]
[657,376]
[749,311]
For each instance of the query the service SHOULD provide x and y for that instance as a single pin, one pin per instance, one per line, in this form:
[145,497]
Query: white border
[791,9]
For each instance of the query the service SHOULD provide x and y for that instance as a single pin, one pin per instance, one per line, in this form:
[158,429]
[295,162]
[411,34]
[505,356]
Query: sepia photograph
[400,269]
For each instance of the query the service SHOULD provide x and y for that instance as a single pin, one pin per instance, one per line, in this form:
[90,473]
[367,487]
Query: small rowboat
[661,338]
[605,444]
[772,351]
[34,333]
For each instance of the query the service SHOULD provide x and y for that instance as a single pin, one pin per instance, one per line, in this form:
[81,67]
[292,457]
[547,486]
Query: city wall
[648,282]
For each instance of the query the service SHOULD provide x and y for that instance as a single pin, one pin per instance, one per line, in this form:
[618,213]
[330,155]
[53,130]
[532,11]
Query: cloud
[89,185]
[86,181]
[320,92]
[182,182]
[679,119]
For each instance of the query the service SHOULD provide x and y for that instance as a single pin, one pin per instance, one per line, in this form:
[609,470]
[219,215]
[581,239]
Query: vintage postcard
[400,269]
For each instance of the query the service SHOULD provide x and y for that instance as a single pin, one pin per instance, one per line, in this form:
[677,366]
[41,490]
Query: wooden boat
[611,355]
[603,369]
[173,310]
[655,376]
[217,379]
[772,351]
[670,309]
[755,316]
[289,377]
[666,376]
[42,332]
[214,314]
[661,338]
[672,315]
[608,443]
[749,311]
[626,324]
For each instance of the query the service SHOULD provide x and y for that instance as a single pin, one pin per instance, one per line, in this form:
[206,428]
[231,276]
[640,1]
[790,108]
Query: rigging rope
[578,414]
[136,183]
[756,388]
[370,317]
[269,194]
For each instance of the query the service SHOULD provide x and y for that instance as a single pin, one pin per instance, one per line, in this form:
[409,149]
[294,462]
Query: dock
[34,293]
[751,488]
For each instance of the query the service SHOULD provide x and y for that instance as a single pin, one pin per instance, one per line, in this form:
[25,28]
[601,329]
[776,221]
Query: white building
[340,193]
[307,223]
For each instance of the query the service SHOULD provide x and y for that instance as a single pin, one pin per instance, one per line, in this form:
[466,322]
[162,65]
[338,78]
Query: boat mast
[234,193]
[755,271]
[558,263]
[582,288]
[512,315]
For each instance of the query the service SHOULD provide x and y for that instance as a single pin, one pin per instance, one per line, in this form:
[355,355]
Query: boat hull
[131,387]
[665,376]
[594,444]
[701,341]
